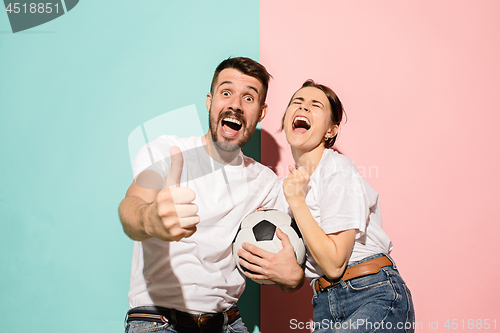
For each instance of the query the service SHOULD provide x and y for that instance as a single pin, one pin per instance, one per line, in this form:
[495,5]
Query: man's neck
[220,155]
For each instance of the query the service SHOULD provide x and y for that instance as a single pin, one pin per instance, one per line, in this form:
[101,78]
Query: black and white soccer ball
[259,228]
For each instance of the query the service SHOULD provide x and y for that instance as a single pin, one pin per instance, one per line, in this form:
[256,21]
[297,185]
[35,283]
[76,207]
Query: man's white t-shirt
[198,274]
[340,199]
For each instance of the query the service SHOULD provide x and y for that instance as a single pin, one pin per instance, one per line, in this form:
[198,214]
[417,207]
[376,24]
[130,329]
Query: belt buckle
[201,320]
[320,289]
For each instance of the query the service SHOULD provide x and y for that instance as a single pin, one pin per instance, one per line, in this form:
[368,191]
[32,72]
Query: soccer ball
[259,228]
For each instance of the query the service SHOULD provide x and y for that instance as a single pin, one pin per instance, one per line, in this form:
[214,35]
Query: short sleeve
[152,157]
[342,203]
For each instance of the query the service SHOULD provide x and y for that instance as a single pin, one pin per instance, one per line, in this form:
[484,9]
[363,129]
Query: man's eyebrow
[226,82]
[253,88]
[231,83]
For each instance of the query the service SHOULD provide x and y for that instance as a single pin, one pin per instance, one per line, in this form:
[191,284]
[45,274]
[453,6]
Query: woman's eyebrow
[302,100]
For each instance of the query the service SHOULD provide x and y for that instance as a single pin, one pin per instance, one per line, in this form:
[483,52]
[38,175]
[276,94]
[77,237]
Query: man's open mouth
[231,126]
[301,124]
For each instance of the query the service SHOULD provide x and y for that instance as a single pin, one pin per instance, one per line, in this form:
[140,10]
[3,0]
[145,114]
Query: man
[184,208]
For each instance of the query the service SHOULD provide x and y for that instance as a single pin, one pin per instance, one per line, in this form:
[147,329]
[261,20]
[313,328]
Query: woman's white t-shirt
[340,199]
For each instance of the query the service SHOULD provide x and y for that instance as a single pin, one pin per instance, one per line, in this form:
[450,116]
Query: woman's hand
[295,185]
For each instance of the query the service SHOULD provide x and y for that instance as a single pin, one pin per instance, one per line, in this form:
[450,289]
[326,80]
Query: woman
[356,284]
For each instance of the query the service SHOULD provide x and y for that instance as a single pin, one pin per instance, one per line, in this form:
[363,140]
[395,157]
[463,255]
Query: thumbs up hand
[182,196]
[175,214]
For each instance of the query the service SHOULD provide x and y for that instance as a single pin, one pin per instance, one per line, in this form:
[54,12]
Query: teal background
[71,92]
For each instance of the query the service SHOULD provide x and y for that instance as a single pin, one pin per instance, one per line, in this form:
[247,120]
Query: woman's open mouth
[301,124]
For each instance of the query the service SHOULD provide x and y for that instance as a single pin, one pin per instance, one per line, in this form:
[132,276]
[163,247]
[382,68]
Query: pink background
[420,83]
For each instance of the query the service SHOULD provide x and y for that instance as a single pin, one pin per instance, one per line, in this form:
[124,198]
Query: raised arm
[331,252]
[149,210]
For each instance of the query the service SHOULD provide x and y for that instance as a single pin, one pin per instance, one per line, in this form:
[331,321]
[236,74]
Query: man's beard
[229,146]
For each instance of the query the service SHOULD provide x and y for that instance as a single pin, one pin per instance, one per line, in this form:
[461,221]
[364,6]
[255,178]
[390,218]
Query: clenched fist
[295,184]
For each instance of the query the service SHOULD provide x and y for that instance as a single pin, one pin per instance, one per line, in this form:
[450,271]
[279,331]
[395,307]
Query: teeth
[303,119]
[233,120]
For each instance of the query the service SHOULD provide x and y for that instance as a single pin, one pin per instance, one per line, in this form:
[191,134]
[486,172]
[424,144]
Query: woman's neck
[308,159]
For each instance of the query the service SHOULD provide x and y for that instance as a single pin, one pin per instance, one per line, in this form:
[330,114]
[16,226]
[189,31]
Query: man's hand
[168,214]
[172,216]
[281,268]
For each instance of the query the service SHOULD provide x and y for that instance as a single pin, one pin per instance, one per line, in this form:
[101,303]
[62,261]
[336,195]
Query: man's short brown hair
[248,67]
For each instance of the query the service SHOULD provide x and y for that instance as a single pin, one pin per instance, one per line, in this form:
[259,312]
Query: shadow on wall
[293,308]
[272,149]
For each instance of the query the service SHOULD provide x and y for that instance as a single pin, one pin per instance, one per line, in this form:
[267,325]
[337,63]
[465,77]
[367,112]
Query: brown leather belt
[372,266]
[179,318]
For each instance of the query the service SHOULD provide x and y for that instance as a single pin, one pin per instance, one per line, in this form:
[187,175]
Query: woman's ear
[332,132]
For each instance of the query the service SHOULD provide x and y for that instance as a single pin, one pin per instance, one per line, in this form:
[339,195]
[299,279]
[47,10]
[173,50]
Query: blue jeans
[372,303]
[138,326]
